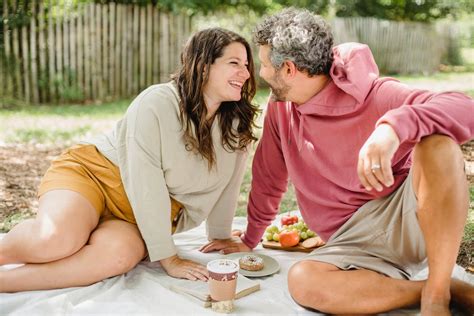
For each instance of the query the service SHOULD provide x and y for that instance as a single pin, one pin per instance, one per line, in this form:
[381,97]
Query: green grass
[96,111]
[437,77]
[57,124]
[41,135]
[469,93]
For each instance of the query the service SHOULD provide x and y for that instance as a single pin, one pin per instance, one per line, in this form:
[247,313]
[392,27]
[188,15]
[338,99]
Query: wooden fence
[398,47]
[88,52]
[94,52]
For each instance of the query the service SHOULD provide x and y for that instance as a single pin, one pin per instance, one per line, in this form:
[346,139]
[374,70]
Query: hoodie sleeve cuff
[395,121]
[253,235]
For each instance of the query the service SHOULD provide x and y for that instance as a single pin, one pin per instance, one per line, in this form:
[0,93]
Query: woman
[177,158]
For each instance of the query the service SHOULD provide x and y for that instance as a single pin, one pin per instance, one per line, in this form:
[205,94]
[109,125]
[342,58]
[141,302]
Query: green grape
[269,236]
[272,229]
[269,229]
[299,226]
[276,237]
[284,227]
[303,235]
[310,233]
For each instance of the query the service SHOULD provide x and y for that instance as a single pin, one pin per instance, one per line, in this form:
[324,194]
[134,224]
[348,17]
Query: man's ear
[290,69]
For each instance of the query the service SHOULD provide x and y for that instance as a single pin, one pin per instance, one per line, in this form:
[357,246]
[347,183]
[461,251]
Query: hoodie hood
[352,73]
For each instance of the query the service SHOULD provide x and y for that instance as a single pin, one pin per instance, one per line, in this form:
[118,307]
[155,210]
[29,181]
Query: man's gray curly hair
[299,36]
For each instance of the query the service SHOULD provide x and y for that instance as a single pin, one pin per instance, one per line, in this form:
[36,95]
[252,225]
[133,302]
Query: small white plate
[270,265]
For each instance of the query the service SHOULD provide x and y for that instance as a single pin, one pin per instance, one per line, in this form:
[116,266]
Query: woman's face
[227,75]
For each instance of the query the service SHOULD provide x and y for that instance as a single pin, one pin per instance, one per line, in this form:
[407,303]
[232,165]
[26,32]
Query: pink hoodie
[316,144]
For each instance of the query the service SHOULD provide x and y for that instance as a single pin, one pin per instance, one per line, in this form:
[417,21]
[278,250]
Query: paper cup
[222,279]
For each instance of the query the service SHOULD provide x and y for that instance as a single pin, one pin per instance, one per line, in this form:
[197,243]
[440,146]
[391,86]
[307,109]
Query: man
[377,170]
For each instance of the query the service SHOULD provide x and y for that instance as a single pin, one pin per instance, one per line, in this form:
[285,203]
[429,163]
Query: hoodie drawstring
[291,123]
[290,126]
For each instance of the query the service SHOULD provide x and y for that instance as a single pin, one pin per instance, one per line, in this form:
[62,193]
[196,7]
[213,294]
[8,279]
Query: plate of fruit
[292,235]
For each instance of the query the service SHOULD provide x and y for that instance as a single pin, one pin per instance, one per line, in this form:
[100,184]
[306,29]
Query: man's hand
[184,269]
[226,246]
[375,158]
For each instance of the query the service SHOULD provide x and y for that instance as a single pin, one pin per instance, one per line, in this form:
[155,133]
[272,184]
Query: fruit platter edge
[278,246]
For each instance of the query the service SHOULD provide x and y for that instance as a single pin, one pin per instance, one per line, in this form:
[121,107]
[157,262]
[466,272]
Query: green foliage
[17,16]
[403,10]
[318,6]
[454,56]
[210,6]
[67,91]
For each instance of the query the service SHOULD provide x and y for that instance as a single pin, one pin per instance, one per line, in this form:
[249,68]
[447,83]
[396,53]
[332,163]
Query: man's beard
[278,93]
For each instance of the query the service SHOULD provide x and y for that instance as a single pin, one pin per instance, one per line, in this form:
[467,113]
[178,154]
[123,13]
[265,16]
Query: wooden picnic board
[277,245]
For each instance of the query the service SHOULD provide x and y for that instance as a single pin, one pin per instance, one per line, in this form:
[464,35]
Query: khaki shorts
[382,236]
[85,170]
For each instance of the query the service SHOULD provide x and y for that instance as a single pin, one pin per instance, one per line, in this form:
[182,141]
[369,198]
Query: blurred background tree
[404,10]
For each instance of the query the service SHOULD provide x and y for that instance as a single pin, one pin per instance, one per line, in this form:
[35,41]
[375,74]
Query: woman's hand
[184,269]
[374,167]
[226,246]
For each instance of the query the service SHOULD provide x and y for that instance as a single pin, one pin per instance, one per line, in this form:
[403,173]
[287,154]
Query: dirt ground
[22,166]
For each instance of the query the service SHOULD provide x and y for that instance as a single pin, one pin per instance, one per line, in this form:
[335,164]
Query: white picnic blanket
[139,292]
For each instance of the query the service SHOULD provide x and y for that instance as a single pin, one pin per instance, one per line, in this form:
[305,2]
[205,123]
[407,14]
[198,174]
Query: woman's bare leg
[62,226]
[114,248]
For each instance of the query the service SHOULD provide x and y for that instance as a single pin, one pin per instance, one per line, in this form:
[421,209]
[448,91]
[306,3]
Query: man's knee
[303,285]
[439,152]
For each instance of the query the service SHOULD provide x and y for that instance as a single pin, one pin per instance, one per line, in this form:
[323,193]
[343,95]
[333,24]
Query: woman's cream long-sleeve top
[147,145]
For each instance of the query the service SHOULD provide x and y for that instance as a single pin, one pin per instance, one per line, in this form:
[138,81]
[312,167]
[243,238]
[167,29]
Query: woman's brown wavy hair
[202,49]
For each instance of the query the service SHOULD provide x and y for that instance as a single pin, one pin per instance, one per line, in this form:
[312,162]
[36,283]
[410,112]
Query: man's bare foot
[435,302]
[434,309]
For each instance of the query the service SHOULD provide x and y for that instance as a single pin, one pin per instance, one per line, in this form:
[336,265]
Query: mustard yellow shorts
[85,170]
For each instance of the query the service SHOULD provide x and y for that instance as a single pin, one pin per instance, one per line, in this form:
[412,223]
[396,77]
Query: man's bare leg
[324,287]
[328,289]
[442,192]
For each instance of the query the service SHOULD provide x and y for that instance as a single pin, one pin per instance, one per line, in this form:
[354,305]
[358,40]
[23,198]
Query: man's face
[272,76]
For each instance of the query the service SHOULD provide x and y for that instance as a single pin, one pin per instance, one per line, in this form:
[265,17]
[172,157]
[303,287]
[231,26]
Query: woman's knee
[125,258]
[51,242]
[121,249]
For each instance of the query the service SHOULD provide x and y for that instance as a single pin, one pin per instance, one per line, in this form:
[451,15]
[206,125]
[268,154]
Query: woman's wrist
[167,262]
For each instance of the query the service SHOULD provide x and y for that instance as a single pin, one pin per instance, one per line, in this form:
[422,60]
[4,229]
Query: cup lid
[223,266]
